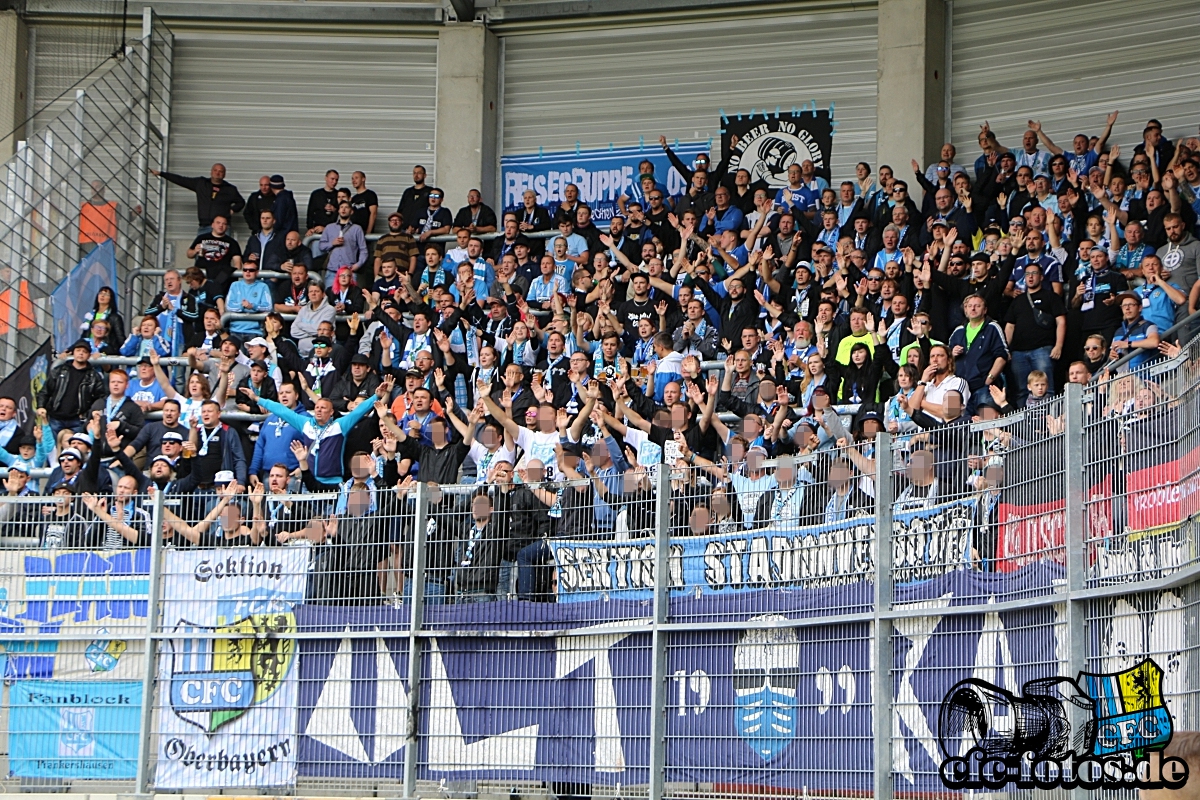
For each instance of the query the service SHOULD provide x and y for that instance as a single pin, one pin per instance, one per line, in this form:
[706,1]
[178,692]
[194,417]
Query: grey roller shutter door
[1069,64]
[60,57]
[612,85]
[298,105]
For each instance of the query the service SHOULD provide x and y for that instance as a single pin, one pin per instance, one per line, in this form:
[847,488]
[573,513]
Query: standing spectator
[322,205]
[259,201]
[1181,255]
[105,307]
[1086,154]
[248,296]
[287,217]
[396,245]
[162,436]
[217,253]
[344,242]
[268,247]
[215,197]
[1162,298]
[364,202]
[433,220]
[1094,295]
[1036,329]
[1135,334]
[980,351]
[98,219]
[117,412]
[415,199]
[275,437]
[70,390]
[475,216]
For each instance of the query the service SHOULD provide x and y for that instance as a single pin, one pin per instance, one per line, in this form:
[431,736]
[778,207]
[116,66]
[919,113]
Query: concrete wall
[14,65]
[465,141]
[912,80]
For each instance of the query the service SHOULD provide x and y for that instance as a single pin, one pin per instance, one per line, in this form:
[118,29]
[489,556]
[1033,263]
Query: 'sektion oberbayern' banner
[601,175]
[926,543]
[97,598]
[227,673]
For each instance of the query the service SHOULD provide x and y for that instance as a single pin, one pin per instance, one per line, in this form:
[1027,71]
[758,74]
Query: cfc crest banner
[227,674]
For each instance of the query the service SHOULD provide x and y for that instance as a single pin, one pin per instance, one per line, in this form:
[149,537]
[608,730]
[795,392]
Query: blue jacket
[974,364]
[259,295]
[274,445]
[328,442]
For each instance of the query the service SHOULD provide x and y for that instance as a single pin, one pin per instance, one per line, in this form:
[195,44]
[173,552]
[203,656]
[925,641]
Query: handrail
[446,238]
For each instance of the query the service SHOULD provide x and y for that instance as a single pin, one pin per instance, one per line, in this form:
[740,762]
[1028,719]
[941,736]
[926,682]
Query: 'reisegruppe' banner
[601,175]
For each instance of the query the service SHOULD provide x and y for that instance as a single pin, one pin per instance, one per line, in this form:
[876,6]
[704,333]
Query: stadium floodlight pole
[146,725]
[416,611]
[881,669]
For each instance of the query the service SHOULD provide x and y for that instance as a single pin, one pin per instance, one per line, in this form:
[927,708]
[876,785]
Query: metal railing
[92,158]
[455,638]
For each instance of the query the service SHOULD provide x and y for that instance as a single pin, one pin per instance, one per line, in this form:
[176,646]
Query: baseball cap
[144,360]
[165,459]
[224,476]
[522,241]
[257,341]
[82,343]
[491,301]
[277,182]
[980,256]
[82,436]
[939,223]
[258,362]
[414,373]
[71,452]
[359,358]
[804,265]
[19,466]
[172,436]
[757,448]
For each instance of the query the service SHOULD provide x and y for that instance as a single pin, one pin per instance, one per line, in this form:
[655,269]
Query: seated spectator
[475,217]
[248,296]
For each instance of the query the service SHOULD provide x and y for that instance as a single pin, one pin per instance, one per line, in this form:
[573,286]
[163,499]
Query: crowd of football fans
[556,366]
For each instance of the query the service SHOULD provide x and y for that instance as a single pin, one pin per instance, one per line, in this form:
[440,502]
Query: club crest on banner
[219,673]
[766,670]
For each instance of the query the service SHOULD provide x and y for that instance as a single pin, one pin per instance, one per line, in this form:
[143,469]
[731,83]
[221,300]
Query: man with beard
[396,245]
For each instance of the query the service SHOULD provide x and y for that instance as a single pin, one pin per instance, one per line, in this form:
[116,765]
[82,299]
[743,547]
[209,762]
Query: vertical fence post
[143,141]
[162,126]
[416,614]
[881,649]
[76,177]
[658,636]
[1074,539]
[146,726]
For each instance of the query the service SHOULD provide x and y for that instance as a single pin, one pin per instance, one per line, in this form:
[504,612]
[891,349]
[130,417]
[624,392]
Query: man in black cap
[356,386]
[70,390]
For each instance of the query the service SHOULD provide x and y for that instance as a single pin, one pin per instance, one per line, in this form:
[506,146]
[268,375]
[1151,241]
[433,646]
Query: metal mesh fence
[79,184]
[522,636]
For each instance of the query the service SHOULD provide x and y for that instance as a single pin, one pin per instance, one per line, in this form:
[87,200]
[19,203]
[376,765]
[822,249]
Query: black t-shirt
[206,296]
[361,204]
[632,311]
[386,287]
[322,208]
[413,203]
[429,219]
[1094,314]
[1027,333]
[215,254]
[481,217]
[208,460]
[288,293]
[69,407]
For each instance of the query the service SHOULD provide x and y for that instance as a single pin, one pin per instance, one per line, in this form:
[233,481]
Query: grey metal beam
[464,10]
[517,11]
[289,11]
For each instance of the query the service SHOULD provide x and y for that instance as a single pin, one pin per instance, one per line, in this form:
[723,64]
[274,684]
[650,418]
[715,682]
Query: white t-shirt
[540,447]
[937,393]
[650,454]
[748,492]
[484,458]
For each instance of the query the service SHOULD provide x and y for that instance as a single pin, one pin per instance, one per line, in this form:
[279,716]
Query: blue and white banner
[75,296]
[47,595]
[226,676]
[601,175]
[773,706]
[74,729]
[926,543]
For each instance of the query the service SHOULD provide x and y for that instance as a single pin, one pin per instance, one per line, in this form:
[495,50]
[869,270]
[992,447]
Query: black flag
[769,144]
